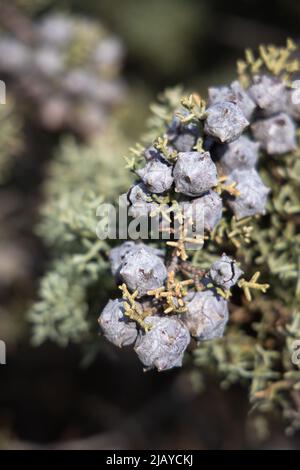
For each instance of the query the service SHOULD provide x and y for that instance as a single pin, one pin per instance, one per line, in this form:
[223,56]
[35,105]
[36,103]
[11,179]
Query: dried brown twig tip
[252,284]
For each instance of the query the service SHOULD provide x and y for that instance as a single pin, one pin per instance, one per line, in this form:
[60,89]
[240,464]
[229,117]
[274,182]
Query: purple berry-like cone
[225,121]
[269,93]
[143,271]
[242,154]
[205,211]
[183,136]
[293,103]
[118,254]
[276,134]
[157,176]
[253,194]
[116,327]
[194,173]
[234,93]
[163,346]
[206,315]
[141,203]
[225,272]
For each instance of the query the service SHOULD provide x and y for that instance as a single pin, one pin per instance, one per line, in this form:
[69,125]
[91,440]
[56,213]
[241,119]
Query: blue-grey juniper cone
[118,254]
[140,201]
[116,327]
[225,121]
[143,271]
[234,93]
[204,212]
[292,107]
[253,194]
[194,173]
[183,136]
[225,272]
[157,176]
[269,94]
[206,315]
[241,154]
[163,346]
[276,134]
[205,173]
[69,71]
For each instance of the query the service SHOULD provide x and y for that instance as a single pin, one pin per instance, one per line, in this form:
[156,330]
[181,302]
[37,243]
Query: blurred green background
[46,397]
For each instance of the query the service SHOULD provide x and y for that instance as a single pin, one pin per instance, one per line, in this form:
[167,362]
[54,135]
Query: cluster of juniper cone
[66,67]
[206,159]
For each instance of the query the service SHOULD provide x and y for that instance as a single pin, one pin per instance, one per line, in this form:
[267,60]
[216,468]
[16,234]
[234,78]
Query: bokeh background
[48,396]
